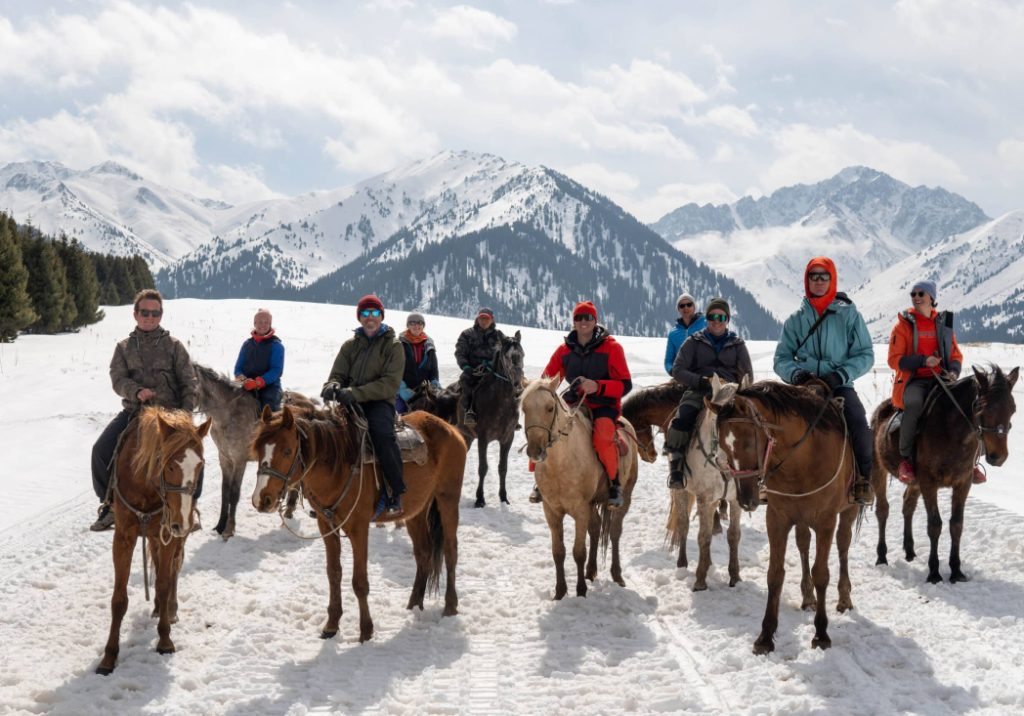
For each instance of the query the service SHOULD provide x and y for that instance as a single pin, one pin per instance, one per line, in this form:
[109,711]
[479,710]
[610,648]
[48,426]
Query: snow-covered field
[251,609]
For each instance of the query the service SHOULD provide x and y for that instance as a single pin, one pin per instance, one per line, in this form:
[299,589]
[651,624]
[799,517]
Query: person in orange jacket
[922,350]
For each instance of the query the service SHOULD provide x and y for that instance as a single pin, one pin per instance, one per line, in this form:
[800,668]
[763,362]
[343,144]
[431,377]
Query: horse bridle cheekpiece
[763,457]
[550,429]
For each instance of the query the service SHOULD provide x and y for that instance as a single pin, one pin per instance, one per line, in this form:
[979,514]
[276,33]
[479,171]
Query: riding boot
[676,442]
[861,493]
[104,520]
[468,416]
[615,493]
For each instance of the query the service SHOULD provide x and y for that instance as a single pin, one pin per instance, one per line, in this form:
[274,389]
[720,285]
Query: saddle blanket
[410,442]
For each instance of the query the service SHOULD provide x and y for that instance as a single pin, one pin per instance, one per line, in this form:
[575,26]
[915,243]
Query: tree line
[50,285]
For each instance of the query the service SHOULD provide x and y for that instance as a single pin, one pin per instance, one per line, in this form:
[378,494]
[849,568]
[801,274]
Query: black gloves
[834,380]
[345,397]
[801,376]
[704,387]
[330,391]
[571,396]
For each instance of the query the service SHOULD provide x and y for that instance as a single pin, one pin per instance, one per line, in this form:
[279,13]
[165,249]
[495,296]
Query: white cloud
[671,196]
[648,89]
[1011,152]
[239,185]
[472,27]
[604,180]
[731,118]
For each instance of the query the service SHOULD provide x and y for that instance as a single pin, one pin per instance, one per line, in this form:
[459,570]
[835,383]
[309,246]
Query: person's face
[584,323]
[686,309]
[818,281]
[415,328]
[369,321]
[717,327]
[262,323]
[148,322]
[922,302]
[484,321]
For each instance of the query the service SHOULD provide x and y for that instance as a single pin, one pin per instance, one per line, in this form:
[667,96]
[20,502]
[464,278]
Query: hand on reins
[330,391]
[254,383]
[588,386]
[834,380]
[145,394]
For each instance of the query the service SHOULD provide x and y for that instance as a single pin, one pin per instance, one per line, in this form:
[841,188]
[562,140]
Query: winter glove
[436,384]
[330,391]
[800,376]
[254,383]
[834,380]
[704,387]
[345,397]
[571,396]
[467,369]
[405,393]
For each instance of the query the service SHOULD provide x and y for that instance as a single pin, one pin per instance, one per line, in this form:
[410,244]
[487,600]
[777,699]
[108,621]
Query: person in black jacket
[474,353]
[260,362]
[713,351]
[420,360]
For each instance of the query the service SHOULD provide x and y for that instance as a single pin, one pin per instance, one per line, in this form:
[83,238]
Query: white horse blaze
[730,444]
[261,480]
[189,471]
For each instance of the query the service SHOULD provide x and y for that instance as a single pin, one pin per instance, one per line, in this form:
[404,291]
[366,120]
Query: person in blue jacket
[690,321]
[420,360]
[261,362]
[827,338]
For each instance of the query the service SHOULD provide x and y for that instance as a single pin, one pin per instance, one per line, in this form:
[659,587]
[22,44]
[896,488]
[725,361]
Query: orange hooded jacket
[903,355]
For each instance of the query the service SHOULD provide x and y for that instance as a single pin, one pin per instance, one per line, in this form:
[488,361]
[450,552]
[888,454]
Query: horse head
[541,407]
[995,407]
[277,449]
[739,453]
[509,358]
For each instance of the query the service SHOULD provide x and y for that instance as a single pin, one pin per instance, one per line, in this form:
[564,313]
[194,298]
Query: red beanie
[370,300]
[584,307]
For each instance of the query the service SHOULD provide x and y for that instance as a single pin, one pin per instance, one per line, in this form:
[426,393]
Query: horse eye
[550,408]
[287,452]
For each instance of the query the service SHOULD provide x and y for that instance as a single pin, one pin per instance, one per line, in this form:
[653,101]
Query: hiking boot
[979,477]
[860,493]
[470,419]
[104,520]
[905,473]
[676,471]
[394,507]
[535,496]
[382,504]
[615,494]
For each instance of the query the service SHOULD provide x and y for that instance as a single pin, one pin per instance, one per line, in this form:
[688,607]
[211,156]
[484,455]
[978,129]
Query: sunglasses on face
[584,317]
[368,312]
[415,323]
[685,305]
[819,276]
[146,313]
[718,318]
[917,294]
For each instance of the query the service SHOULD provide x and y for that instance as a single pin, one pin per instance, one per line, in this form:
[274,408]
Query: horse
[155,476]
[573,481]
[322,456]
[709,487]
[235,412]
[807,487]
[971,419]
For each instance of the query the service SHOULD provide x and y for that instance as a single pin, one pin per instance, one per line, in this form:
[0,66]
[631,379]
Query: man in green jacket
[367,372]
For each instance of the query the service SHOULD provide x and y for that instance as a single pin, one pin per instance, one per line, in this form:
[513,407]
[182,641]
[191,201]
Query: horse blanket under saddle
[410,443]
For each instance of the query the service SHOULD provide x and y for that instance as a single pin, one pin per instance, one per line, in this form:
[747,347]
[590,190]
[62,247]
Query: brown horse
[954,431]
[155,476]
[792,443]
[322,456]
[574,482]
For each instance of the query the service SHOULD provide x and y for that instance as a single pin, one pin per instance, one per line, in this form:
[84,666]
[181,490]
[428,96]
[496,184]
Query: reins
[559,406]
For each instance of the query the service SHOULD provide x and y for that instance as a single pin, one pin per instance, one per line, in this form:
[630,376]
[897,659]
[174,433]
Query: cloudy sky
[653,103]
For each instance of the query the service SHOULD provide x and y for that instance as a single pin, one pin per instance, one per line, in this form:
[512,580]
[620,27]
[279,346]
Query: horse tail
[861,509]
[606,527]
[436,531]
[672,535]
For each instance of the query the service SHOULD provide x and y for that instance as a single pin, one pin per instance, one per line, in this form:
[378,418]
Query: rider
[595,365]
[922,345]
[713,351]
[474,353]
[261,362]
[149,367]
[827,338]
[420,360]
[367,372]
[689,322]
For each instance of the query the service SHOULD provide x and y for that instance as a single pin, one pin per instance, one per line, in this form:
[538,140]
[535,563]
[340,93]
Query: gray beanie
[718,304]
[685,297]
[415,318]
[928,287]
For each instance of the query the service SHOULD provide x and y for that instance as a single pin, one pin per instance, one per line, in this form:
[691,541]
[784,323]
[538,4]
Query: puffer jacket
[678,335]
[601,360]
[903,355]
[155,360]
[371,367]
[841,345]
[477,346]
[697,359]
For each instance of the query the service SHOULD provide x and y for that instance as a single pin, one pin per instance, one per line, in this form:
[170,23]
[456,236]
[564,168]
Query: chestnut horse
[573,481]
[155,476]
[954,431]
[792,443]
[322,456]
[651,408]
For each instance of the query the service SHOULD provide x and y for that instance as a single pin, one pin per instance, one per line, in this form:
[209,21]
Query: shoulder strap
[813,329]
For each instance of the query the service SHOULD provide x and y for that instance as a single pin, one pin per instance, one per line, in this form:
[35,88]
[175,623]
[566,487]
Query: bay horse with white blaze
[155,476]
[957,427]
[792,443]
[323,457]
[573,481]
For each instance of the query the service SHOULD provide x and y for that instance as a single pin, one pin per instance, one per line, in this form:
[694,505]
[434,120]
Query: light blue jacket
[678,335]
[841,344]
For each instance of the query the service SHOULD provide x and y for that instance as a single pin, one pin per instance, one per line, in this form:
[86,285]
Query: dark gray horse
[235,413]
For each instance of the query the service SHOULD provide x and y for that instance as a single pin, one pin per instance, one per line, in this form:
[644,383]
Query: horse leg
[503,449]
[481,451]
[878,477]
[448,509]
[236,493]
[931,505]
[581,520]
[824,532]
[778,528]
[956,528]
[163,564]
[557,548]
[683,504]
[227,469]
[594,530]
[419,534]
[910,496]
[332,550]
[124,546]
[615,532]
[734,542]
[721,513]
[359,539]
[844,536]
[706,511]
[179,560]
[803,544]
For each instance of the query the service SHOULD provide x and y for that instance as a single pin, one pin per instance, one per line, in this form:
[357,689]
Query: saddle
[410,443]
[621,437]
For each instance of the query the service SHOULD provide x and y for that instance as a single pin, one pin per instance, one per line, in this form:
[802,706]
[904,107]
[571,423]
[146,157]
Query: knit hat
[415,318]
[585,307]
[685,297]
[928,287]
[485,312]
[370,300]
[718,304]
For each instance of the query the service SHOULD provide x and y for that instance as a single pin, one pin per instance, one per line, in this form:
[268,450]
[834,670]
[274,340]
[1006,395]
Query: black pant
[689,408]
[857,425]
[914,395]
[467,384]
[270,395]
[103,455]
[380,420]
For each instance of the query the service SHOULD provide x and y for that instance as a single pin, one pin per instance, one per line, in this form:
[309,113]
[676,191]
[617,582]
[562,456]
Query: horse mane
[785,399]
[208,376]
[329,436]
[998,387]
[153,447]
[656,396]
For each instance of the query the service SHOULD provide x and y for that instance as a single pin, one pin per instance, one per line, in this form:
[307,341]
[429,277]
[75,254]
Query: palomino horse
[235,412]
[955,430]
[792,443]
[322,457]
[708,486]
[155,476]
[573,481]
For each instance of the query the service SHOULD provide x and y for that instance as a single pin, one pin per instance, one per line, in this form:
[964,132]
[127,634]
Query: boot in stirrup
[861,493]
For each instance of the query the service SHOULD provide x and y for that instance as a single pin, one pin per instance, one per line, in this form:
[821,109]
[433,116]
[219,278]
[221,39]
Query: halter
[976,410]
[550,429]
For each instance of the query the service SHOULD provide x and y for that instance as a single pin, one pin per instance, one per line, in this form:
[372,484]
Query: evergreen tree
[82,282]
[141,275]
[15,303]
[47,284]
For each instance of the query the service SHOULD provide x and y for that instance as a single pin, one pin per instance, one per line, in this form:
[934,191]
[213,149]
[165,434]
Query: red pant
[604,445]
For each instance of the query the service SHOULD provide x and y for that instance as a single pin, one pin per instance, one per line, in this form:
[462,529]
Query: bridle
[977,410]
[554,435]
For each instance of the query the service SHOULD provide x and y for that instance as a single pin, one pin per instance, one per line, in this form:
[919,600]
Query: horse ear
[745,381]
[518,336]
[555,381]
[287,419]
[267,414]
[981,377]
[716,384]
[204,428]
[1011,377]
[166,430]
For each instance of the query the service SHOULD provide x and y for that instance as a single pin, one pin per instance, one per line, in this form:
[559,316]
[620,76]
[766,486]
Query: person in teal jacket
[827,338]
[690,321]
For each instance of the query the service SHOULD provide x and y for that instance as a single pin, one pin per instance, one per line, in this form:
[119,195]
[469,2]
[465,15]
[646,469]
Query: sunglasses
[584,317]
[414,323]
[368,312]
[918,294]
[146,313]
[819,276]
[685,305]
[718,318]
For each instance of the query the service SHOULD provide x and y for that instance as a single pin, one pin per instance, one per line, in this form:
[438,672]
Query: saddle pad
[410,443]
[894,423]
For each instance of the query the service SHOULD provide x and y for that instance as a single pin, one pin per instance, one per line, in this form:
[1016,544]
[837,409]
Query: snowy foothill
[251,608]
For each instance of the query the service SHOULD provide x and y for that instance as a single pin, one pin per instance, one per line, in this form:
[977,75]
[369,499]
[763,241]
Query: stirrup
[469,419]
[861,493]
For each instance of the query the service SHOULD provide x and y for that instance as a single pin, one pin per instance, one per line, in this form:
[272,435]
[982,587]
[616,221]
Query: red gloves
[254,383]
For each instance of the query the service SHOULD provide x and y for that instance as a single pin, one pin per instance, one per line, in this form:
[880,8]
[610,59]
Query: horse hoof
[763,647]
[843,607]
[365,637]
[910,556]
[480,502]
[881,560]
[682,563]
[935,578]
[821,643]
[450,612]
[165,649]
[328,634]
[958,577]
[505,501]
[104,670]
[700,586]
[809,606]
[733,581]
[620,581]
